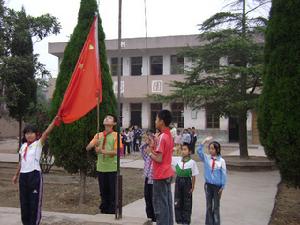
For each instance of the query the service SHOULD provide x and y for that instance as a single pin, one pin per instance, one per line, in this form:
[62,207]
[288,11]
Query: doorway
[233,129]
[136,114]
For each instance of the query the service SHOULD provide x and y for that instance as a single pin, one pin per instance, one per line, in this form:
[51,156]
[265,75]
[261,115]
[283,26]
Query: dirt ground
[287,206]
[61,191]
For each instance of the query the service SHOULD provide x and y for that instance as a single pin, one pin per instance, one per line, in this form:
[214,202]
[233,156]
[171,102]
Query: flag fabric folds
[85,87]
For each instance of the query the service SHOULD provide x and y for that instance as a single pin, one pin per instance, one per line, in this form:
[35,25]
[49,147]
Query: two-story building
[148,67]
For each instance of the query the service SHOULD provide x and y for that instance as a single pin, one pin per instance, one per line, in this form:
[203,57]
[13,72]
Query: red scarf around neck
[105,133]
[26,149]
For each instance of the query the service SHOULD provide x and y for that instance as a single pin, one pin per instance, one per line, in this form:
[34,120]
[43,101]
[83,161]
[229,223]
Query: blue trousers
[162,201]
[212,204]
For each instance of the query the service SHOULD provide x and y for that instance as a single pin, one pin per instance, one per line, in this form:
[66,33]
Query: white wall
[198,122]
[146,111]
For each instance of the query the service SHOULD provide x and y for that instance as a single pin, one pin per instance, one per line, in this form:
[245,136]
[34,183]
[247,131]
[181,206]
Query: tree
[21,71]
[68,142]
[20,82]
[278,118]
[230,87]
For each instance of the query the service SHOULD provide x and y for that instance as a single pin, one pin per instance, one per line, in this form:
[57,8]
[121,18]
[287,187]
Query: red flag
[85,85]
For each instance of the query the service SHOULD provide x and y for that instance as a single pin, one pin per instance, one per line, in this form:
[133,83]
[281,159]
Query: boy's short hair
[217,146]
[113,116]
[166,116]
[188,146]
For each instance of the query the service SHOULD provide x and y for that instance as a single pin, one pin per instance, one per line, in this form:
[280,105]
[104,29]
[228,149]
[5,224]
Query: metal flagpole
[97,55]
[118,213]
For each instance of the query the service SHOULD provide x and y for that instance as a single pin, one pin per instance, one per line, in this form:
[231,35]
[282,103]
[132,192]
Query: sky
[164,18]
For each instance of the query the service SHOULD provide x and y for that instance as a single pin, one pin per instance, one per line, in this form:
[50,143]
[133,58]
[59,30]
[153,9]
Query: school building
[148,66]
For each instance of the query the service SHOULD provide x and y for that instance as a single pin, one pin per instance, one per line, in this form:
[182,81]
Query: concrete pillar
[126,66]
[146,65]
[249,121]
[194,118]
[166,65]
[126,114]
[146,113]
[201,119]
[166,106]
[224,123]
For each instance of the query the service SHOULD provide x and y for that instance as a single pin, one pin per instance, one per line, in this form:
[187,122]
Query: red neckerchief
[105,133]
[26,149]
[213,164]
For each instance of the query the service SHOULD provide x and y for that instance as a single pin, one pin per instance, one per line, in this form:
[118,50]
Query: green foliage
[279,114]
[230,87]
[21,71]
[20,86]
[19,78]
[68,142]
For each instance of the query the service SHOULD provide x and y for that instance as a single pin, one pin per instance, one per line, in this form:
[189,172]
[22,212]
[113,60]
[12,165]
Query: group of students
[158,155]
[157,152]
[131,139]
[186,137]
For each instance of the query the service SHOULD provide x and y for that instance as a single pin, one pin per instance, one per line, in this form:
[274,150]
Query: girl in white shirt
[30,176]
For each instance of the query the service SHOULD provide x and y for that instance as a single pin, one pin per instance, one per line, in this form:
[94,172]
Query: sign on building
[157,86]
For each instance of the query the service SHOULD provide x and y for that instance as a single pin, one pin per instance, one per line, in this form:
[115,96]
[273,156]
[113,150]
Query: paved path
[11,216]
[247,200]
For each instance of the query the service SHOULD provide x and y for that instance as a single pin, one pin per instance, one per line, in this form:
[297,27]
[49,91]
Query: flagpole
[97,55]
[118,212]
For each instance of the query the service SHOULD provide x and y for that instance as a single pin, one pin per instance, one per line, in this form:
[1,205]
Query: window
[136,66]
[114,66]
[177,114]
[156,65]
[212,119]
[136,114]
[177,64]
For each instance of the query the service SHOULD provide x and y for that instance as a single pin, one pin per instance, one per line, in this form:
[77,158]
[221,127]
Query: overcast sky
[165,17]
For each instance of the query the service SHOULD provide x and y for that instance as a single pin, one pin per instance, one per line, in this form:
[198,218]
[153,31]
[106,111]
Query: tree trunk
[20,132]
[243,135]
[82,187]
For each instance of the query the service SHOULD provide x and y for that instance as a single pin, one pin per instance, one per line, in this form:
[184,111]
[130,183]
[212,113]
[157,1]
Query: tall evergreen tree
[279,109]
[228,88]
[68,142]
